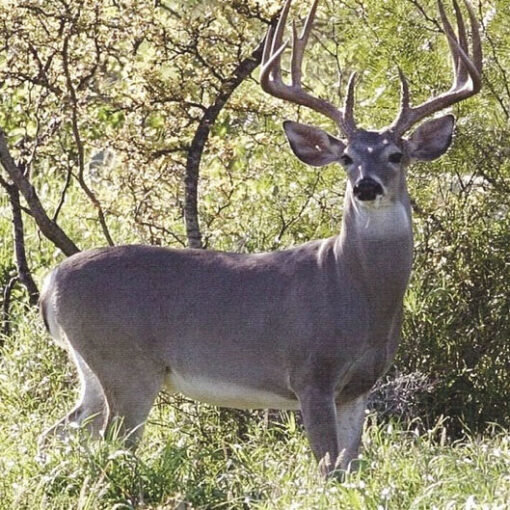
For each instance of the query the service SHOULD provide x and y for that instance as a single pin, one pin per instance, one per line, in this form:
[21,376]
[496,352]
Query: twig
[79,144]
[63,194]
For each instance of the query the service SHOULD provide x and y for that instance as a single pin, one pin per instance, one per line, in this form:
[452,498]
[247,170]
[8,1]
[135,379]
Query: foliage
[457,318]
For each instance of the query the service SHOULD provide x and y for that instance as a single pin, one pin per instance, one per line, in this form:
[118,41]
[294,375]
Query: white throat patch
[380,219]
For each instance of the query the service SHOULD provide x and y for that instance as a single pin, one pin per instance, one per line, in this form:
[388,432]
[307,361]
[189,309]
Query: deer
[307,328]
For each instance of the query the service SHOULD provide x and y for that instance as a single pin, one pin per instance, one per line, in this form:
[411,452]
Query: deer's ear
[431,139]
[312,145]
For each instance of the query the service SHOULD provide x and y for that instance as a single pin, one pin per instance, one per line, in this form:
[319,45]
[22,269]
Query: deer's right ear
[312,145]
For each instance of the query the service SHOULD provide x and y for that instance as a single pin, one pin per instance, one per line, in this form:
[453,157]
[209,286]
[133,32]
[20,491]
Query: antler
[271,75]
[467,72]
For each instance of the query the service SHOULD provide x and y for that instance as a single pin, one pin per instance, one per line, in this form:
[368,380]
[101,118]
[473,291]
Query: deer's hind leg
[130,385]
[91,410]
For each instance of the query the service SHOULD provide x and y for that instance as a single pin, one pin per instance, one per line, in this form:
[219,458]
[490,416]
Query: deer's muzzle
[367,189]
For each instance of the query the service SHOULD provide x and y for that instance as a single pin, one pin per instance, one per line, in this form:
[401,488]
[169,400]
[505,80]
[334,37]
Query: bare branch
[24,273]
[6,303]
[79,144]
[49,228]
[63,195]
[243,70]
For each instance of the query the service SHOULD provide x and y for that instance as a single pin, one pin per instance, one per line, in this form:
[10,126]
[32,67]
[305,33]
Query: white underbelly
[225,394]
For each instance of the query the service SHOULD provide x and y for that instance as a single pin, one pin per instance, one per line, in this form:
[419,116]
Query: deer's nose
[367,189]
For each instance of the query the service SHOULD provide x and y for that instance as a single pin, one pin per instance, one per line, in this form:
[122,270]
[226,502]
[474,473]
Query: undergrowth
[197,456]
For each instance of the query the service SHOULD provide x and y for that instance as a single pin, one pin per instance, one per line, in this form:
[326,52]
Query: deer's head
[374,160]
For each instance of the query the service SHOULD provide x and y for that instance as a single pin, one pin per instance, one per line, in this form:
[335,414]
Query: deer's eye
[396,157]
[346,160]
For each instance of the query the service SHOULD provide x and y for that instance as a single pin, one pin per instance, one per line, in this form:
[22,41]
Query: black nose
[367,189]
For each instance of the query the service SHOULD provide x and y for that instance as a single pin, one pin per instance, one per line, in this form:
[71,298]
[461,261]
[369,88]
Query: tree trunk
[242,71]
[25,276]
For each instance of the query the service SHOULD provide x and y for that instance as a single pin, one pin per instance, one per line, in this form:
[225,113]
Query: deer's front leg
[319,417]
[350,420]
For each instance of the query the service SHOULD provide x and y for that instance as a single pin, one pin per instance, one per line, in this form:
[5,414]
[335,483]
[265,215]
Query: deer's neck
[375,247]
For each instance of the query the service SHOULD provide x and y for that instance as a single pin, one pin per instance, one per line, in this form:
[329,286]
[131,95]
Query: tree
[69,74]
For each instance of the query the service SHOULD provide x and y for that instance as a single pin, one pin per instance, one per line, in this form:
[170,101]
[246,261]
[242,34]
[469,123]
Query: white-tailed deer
[309,328]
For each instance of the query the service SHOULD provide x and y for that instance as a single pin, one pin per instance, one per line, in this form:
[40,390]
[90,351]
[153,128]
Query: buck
[309,328]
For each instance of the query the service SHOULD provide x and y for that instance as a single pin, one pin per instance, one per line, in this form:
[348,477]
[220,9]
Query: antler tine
[278,40]
[470,69]
[451,39]
[456,46]
[299,44]
[348,117]
[271,60]
[270,75]
[476,42]
[404,90]
[467,71]
[460,70]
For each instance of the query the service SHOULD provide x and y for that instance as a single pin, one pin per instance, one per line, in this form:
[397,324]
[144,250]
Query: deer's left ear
[431,139]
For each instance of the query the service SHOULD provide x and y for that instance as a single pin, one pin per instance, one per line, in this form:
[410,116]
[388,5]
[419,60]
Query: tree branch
[195,152]
[79,144]
[6,303]
[50,229]
[24,273]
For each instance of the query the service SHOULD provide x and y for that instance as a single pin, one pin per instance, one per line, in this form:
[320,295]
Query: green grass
[196,456]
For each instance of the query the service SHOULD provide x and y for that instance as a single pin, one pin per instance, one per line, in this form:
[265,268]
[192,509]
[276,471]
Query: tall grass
[196,456]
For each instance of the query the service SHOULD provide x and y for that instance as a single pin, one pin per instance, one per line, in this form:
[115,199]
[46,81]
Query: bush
[456,326]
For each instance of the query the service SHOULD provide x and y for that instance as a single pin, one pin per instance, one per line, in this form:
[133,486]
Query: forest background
[143,122]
